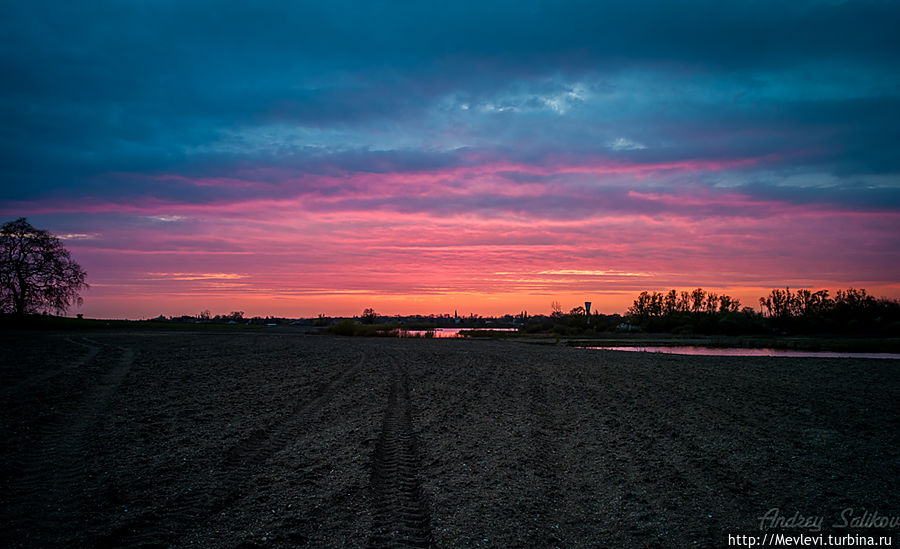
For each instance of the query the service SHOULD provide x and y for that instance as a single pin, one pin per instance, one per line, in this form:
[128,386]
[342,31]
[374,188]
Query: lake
[725,351]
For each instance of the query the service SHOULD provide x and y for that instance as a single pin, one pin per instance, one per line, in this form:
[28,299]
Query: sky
[304,158]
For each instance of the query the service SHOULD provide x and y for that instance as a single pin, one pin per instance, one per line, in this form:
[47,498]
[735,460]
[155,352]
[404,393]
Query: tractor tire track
[401,515]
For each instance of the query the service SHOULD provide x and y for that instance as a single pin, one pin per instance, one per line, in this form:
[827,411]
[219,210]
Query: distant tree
[577,311]
[649,304]
[369,316]
[556,309]
[37,274]
[670,305]
[698,298]
[233,316]
[656,304]
[780,304]
[728,304]
[641,306]
[852,300]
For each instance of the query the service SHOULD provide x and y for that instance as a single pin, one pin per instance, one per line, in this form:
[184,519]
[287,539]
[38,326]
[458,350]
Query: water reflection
[722,351]
[449,332]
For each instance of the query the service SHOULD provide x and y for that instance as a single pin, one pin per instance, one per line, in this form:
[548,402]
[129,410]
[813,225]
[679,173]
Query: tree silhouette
[801,311]
[37,274]
[670,305]
[556,309]
[698,297]
[780,304]
[369,316]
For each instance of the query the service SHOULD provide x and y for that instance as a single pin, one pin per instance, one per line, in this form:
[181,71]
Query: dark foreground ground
[225,440]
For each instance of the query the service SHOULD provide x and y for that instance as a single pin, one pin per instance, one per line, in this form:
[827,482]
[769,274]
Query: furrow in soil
[53,486]
[182,513]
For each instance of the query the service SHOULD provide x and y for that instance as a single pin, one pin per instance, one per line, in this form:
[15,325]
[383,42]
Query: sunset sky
[297,158]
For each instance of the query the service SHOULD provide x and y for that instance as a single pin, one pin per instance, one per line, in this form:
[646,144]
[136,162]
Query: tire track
[401,516]
[183,513]
[261,443]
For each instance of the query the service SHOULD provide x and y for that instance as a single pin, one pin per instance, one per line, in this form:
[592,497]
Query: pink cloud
[457,238]
[423,261]
[155,194]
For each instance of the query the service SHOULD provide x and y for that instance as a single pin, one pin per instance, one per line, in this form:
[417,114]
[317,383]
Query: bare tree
[780,304]
[698,297]
[670,304]
[728,304]
[641,307]
[556,309]
[37,274]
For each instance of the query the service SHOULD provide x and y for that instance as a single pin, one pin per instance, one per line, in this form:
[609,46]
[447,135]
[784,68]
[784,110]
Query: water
[722,351]
[448,332]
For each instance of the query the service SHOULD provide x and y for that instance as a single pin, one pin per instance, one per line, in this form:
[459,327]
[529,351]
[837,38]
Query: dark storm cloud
[849,194]
[210,89]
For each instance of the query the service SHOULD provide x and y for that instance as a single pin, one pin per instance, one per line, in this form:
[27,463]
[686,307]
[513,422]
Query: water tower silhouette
[587,309]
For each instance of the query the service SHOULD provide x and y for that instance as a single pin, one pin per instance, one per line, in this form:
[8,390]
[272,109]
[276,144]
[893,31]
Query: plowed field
[282,439]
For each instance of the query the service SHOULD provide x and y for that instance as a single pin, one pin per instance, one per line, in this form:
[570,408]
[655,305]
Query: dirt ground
[281,439]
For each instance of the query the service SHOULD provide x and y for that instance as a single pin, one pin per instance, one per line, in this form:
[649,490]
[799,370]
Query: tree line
[655,304]
[850,311]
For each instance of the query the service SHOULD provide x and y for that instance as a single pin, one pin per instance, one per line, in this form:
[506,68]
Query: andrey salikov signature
[848,518]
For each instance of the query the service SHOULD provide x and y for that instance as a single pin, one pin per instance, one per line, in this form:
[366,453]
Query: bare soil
[281,439]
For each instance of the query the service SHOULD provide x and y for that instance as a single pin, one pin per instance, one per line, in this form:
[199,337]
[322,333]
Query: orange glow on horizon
[100,305]
[470,239]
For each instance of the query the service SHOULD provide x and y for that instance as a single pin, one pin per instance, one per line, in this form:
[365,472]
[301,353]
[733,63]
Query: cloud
[622,144]
[346,75]
[77,236]
[166,218]
[600,273]
[197,276]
